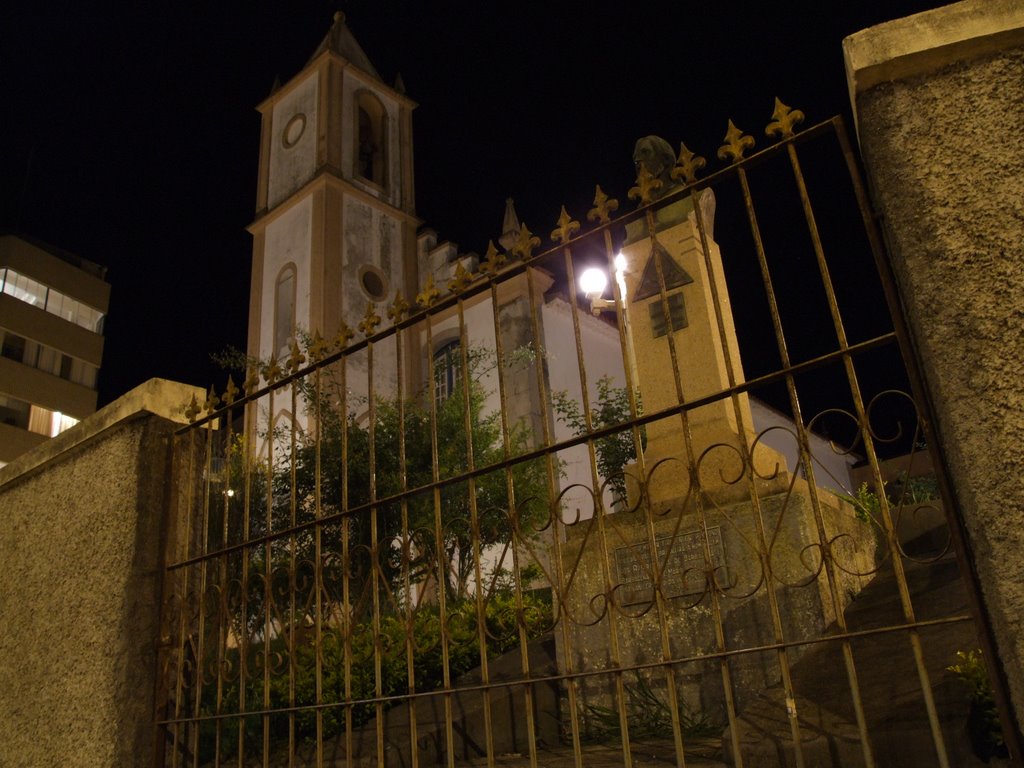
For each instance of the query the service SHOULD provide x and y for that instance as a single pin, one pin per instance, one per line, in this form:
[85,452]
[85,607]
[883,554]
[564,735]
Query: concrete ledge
[926,41]
[157,396]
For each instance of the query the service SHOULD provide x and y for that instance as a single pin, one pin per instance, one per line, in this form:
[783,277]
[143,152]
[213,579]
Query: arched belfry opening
[284,310]
[371,139]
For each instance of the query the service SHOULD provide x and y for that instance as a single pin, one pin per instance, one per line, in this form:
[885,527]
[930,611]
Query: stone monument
[719,547]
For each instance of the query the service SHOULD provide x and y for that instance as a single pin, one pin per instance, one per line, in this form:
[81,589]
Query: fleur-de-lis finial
[317,348]
[785,119]
[736,143]
[687,165]
[429,294]
[525,242]
[370,320]
[252,380]
[344,336]
[230,392]
[462,278]
[272,371]
[646,183]
[604,207]
[212,401]
[567,227]
[296,358]
[493,259]
[192,410]
[398,309]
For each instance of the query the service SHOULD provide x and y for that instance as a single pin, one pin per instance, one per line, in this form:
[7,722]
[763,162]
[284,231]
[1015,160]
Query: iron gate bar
[550,475]
[599,515]
[506,449]
[652,665]
[446,676]
[801,434]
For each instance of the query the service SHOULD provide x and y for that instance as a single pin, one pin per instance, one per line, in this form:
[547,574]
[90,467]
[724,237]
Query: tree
[616,450]
[446,537]
[384,558]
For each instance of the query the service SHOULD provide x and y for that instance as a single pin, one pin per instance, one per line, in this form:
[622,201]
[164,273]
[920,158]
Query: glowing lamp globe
[593,281]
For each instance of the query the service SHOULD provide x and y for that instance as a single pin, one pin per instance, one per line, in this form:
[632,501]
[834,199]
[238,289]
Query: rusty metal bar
[513,516]
[440,569]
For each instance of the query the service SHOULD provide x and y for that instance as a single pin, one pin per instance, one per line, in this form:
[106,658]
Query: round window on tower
[293,130]
[373,282]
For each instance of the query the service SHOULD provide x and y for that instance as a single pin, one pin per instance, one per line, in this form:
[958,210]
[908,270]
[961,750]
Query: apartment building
[52,308]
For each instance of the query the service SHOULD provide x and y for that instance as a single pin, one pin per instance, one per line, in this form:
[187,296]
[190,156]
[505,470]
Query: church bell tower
[335,225]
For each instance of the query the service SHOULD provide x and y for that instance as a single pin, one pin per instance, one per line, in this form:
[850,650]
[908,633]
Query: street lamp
[593,282]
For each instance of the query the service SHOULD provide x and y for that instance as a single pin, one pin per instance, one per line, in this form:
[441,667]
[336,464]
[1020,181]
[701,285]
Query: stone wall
[81,522]
[938,102]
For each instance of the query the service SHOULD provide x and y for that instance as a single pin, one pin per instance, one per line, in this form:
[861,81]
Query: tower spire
[509,226]
[340,40]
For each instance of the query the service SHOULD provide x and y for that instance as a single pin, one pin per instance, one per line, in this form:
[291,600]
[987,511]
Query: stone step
[765,736]
[888,679]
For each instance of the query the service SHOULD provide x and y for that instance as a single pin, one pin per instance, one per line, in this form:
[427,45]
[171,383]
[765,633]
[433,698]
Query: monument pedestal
[707,566]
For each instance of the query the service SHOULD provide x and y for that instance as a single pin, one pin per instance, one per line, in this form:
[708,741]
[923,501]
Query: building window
[56,303]
[14,412]
[65,367]
[677,315]
[371,139]
[284,312]
[13,347]
[47,359]
[25,289]
[43,421]
[447,371]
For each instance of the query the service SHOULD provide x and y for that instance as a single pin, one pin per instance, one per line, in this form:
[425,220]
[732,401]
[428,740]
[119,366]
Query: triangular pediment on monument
[674,274]
[341,41]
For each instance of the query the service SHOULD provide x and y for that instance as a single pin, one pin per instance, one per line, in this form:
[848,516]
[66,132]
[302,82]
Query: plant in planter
[983,727]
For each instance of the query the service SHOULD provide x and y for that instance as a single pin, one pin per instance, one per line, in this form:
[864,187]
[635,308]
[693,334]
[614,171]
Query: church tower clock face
[335,225]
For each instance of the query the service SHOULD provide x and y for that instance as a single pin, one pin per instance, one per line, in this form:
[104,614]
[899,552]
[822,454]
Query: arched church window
[371,139]
[447,371]
[284,311]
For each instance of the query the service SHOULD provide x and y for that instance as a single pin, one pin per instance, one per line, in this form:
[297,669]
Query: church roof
[340,40]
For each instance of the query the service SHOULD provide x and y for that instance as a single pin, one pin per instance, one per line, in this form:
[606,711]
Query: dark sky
[129,133]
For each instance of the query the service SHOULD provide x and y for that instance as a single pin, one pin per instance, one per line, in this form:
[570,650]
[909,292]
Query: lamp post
[593,282]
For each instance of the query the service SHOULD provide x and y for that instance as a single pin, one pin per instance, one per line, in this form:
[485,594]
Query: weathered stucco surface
[944,151]
[80,536]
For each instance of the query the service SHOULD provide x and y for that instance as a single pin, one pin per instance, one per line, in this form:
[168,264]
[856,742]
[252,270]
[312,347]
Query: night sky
[129,133]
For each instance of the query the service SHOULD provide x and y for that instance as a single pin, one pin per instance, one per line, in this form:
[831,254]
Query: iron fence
[511,523]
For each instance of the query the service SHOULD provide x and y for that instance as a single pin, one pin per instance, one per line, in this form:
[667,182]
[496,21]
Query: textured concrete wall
[944,150]
[80,538]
